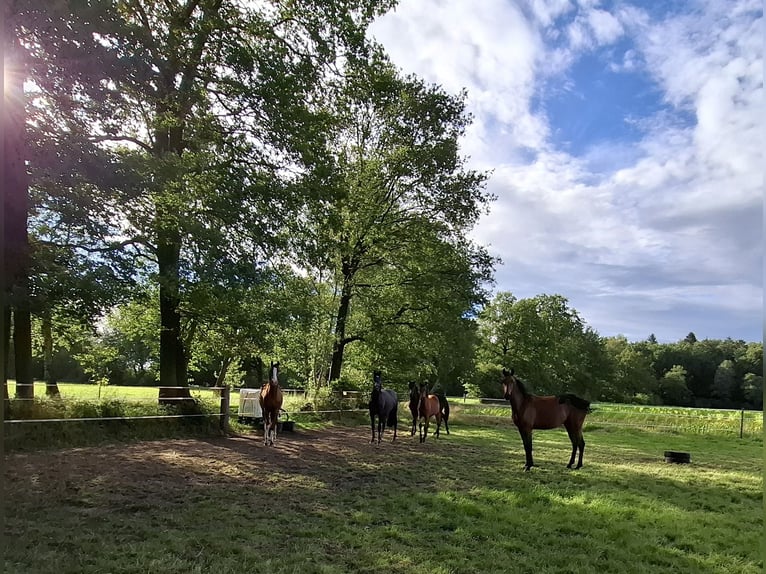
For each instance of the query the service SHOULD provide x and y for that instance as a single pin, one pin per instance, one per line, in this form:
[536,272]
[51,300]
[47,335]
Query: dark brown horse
[270,400]
[384,404]
[533,412]
[429,406]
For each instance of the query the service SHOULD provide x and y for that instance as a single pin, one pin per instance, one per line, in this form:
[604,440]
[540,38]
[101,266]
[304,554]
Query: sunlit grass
[461,504]
[604,415]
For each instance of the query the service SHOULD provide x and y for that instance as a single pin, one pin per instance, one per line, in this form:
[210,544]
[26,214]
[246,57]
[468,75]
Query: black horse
[385,405]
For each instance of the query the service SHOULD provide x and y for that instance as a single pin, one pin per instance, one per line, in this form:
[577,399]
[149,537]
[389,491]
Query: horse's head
[376,380]
[414,390]
[509,381]
[274,372]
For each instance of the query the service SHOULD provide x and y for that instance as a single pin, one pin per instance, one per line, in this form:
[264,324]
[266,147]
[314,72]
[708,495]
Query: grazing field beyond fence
[137,401]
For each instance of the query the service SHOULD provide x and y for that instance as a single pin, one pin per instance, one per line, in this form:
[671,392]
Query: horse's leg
[438,424]
[372,427]
[420,430]
[276,427]
[446,423]
[574,440]
[265,428]
[582,449]
[381,427]
[526,438]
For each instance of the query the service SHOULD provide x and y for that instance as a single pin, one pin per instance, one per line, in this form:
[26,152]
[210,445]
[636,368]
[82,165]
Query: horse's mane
[522,388]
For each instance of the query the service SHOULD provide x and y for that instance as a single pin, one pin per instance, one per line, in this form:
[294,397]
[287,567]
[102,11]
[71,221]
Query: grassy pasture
[325,501]
[661,418]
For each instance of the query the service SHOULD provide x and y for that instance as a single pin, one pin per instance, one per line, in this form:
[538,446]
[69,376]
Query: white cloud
[668,223]
[606,28]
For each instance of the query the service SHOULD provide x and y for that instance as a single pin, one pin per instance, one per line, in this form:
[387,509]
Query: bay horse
[545,412]
[384,404]
[270,400]
[431,406]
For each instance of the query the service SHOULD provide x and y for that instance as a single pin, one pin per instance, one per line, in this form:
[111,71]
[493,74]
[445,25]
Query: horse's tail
[576,402]
[444,405]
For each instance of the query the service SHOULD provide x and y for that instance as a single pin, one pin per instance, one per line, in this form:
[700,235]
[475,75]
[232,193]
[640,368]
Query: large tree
[16,252]
[403,200]
[202,111]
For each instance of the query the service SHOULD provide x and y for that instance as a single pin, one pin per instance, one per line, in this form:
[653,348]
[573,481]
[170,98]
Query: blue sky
[626,146]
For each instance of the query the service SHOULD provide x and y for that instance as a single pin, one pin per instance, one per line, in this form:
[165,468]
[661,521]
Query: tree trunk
[339,344]
[22,347]
[224,369]
[173,362]
[172,355]
[15,215]
[6,334]
[51,385]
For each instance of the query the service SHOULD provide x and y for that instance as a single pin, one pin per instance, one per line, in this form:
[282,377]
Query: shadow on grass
[328,501]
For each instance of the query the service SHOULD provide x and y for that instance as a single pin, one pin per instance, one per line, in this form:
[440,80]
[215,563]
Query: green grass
[668,419]
[92,392]
[325,501]
[678,419]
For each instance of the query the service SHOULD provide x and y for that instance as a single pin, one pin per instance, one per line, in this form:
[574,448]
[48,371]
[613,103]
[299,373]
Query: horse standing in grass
[534,412]
[429,406]
[384,404]
[270,400]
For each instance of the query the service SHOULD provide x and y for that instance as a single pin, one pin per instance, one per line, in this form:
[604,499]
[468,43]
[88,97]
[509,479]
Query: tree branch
[138,142]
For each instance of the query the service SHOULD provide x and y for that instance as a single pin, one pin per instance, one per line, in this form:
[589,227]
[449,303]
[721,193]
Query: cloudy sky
[626,146]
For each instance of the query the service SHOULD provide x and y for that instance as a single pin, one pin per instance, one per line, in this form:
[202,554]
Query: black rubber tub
[677,457]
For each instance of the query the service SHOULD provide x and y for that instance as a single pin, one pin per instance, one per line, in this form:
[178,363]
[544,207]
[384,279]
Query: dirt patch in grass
[328,502]
[159,471]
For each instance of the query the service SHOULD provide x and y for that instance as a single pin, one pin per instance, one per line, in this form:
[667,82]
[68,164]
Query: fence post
[741,422]
[225,403]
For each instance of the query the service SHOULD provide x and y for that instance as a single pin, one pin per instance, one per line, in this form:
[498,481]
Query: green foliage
[723,382]
[634,379]
[673,388]
[545,341]
[391,243]
[753,390]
